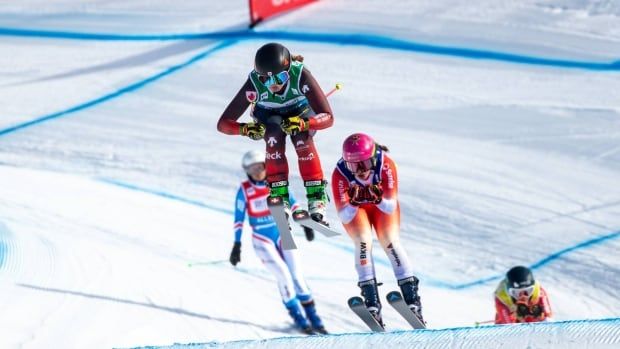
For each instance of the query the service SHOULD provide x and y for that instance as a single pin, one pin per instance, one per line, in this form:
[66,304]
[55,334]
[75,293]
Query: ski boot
[370,293]
[294,310]
[313,317]
[409,289]
[280,189]
[317,200]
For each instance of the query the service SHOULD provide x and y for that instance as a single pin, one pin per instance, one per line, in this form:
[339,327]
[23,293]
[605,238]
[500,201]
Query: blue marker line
[4,243]
[165,195]
[356,39]
[578,246]
[550,258]
[3,250]
[133,87]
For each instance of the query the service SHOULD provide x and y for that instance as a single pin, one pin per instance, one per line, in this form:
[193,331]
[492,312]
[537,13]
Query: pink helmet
[358,147]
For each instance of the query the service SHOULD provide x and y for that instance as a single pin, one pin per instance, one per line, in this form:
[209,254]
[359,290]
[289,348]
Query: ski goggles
[522,292]
[255,169]
[276,79]
[360,166]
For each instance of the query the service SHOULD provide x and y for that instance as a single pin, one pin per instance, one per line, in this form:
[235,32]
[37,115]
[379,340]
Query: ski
[357,305]
[398,303]
[276,208]
[302,218]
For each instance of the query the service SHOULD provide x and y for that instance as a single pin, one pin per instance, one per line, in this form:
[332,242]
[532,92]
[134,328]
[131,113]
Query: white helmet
[252,157]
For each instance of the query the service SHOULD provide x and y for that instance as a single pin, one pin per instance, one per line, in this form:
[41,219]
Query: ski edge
[356,304]
[303,218]
[276,208]
[395,299]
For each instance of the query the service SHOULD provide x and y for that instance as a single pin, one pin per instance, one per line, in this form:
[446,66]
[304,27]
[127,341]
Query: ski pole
[478,323]
[336,88]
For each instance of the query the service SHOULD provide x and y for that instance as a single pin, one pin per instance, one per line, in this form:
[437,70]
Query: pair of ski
[301,217]
[395,299]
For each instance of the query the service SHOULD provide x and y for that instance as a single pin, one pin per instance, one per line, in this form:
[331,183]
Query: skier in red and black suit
[286,100]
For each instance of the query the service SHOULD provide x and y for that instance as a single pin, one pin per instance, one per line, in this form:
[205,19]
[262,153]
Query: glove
[536,311]
[522,310]
[356,195]
[235,254]
[375,193]
[294,125]
[309,233]
[253,130]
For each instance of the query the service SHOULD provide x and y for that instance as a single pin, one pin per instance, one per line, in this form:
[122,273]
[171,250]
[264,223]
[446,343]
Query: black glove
[375,193]
[536,310]
[235,254]
[309,233]
[522,310]
[356,195]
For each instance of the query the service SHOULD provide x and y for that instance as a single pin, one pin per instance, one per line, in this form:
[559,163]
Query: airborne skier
[286,100]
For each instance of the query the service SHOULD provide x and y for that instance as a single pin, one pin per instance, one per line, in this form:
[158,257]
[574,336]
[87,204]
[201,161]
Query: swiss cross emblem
[251,96]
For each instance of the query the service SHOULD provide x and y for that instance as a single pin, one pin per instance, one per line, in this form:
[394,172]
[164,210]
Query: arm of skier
[240,208]
[545,305]
[340,187]
[323,117]
[503,314]
[389,186]
[227,123]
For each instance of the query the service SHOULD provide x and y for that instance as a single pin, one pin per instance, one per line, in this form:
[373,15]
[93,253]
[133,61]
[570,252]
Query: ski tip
[355,301]
[393,296]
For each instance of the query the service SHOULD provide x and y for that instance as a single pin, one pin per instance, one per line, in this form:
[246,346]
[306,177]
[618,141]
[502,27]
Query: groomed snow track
[604,333]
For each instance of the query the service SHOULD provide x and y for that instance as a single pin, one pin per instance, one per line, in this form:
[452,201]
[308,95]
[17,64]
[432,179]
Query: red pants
[276,163]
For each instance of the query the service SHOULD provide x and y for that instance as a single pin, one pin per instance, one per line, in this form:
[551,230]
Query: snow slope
[103,207]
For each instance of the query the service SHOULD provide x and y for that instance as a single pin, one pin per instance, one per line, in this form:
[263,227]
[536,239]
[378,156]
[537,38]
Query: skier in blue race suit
[252,200]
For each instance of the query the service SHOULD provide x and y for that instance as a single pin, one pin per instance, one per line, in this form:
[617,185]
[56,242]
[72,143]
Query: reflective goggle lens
[517,293]
[360,166]
[255,168]
[278,79]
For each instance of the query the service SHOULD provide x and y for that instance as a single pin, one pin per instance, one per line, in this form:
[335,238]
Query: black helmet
[271,59]
[519,277]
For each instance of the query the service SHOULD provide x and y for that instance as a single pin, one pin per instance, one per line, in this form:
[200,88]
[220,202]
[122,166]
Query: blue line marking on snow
[127,89]
[4,236]
[3,250]
[537,265]
[166,195]
[578,246]
[366,40]
[382,261]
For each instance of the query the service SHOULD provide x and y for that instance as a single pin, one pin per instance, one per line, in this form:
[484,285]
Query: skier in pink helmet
[365,189]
